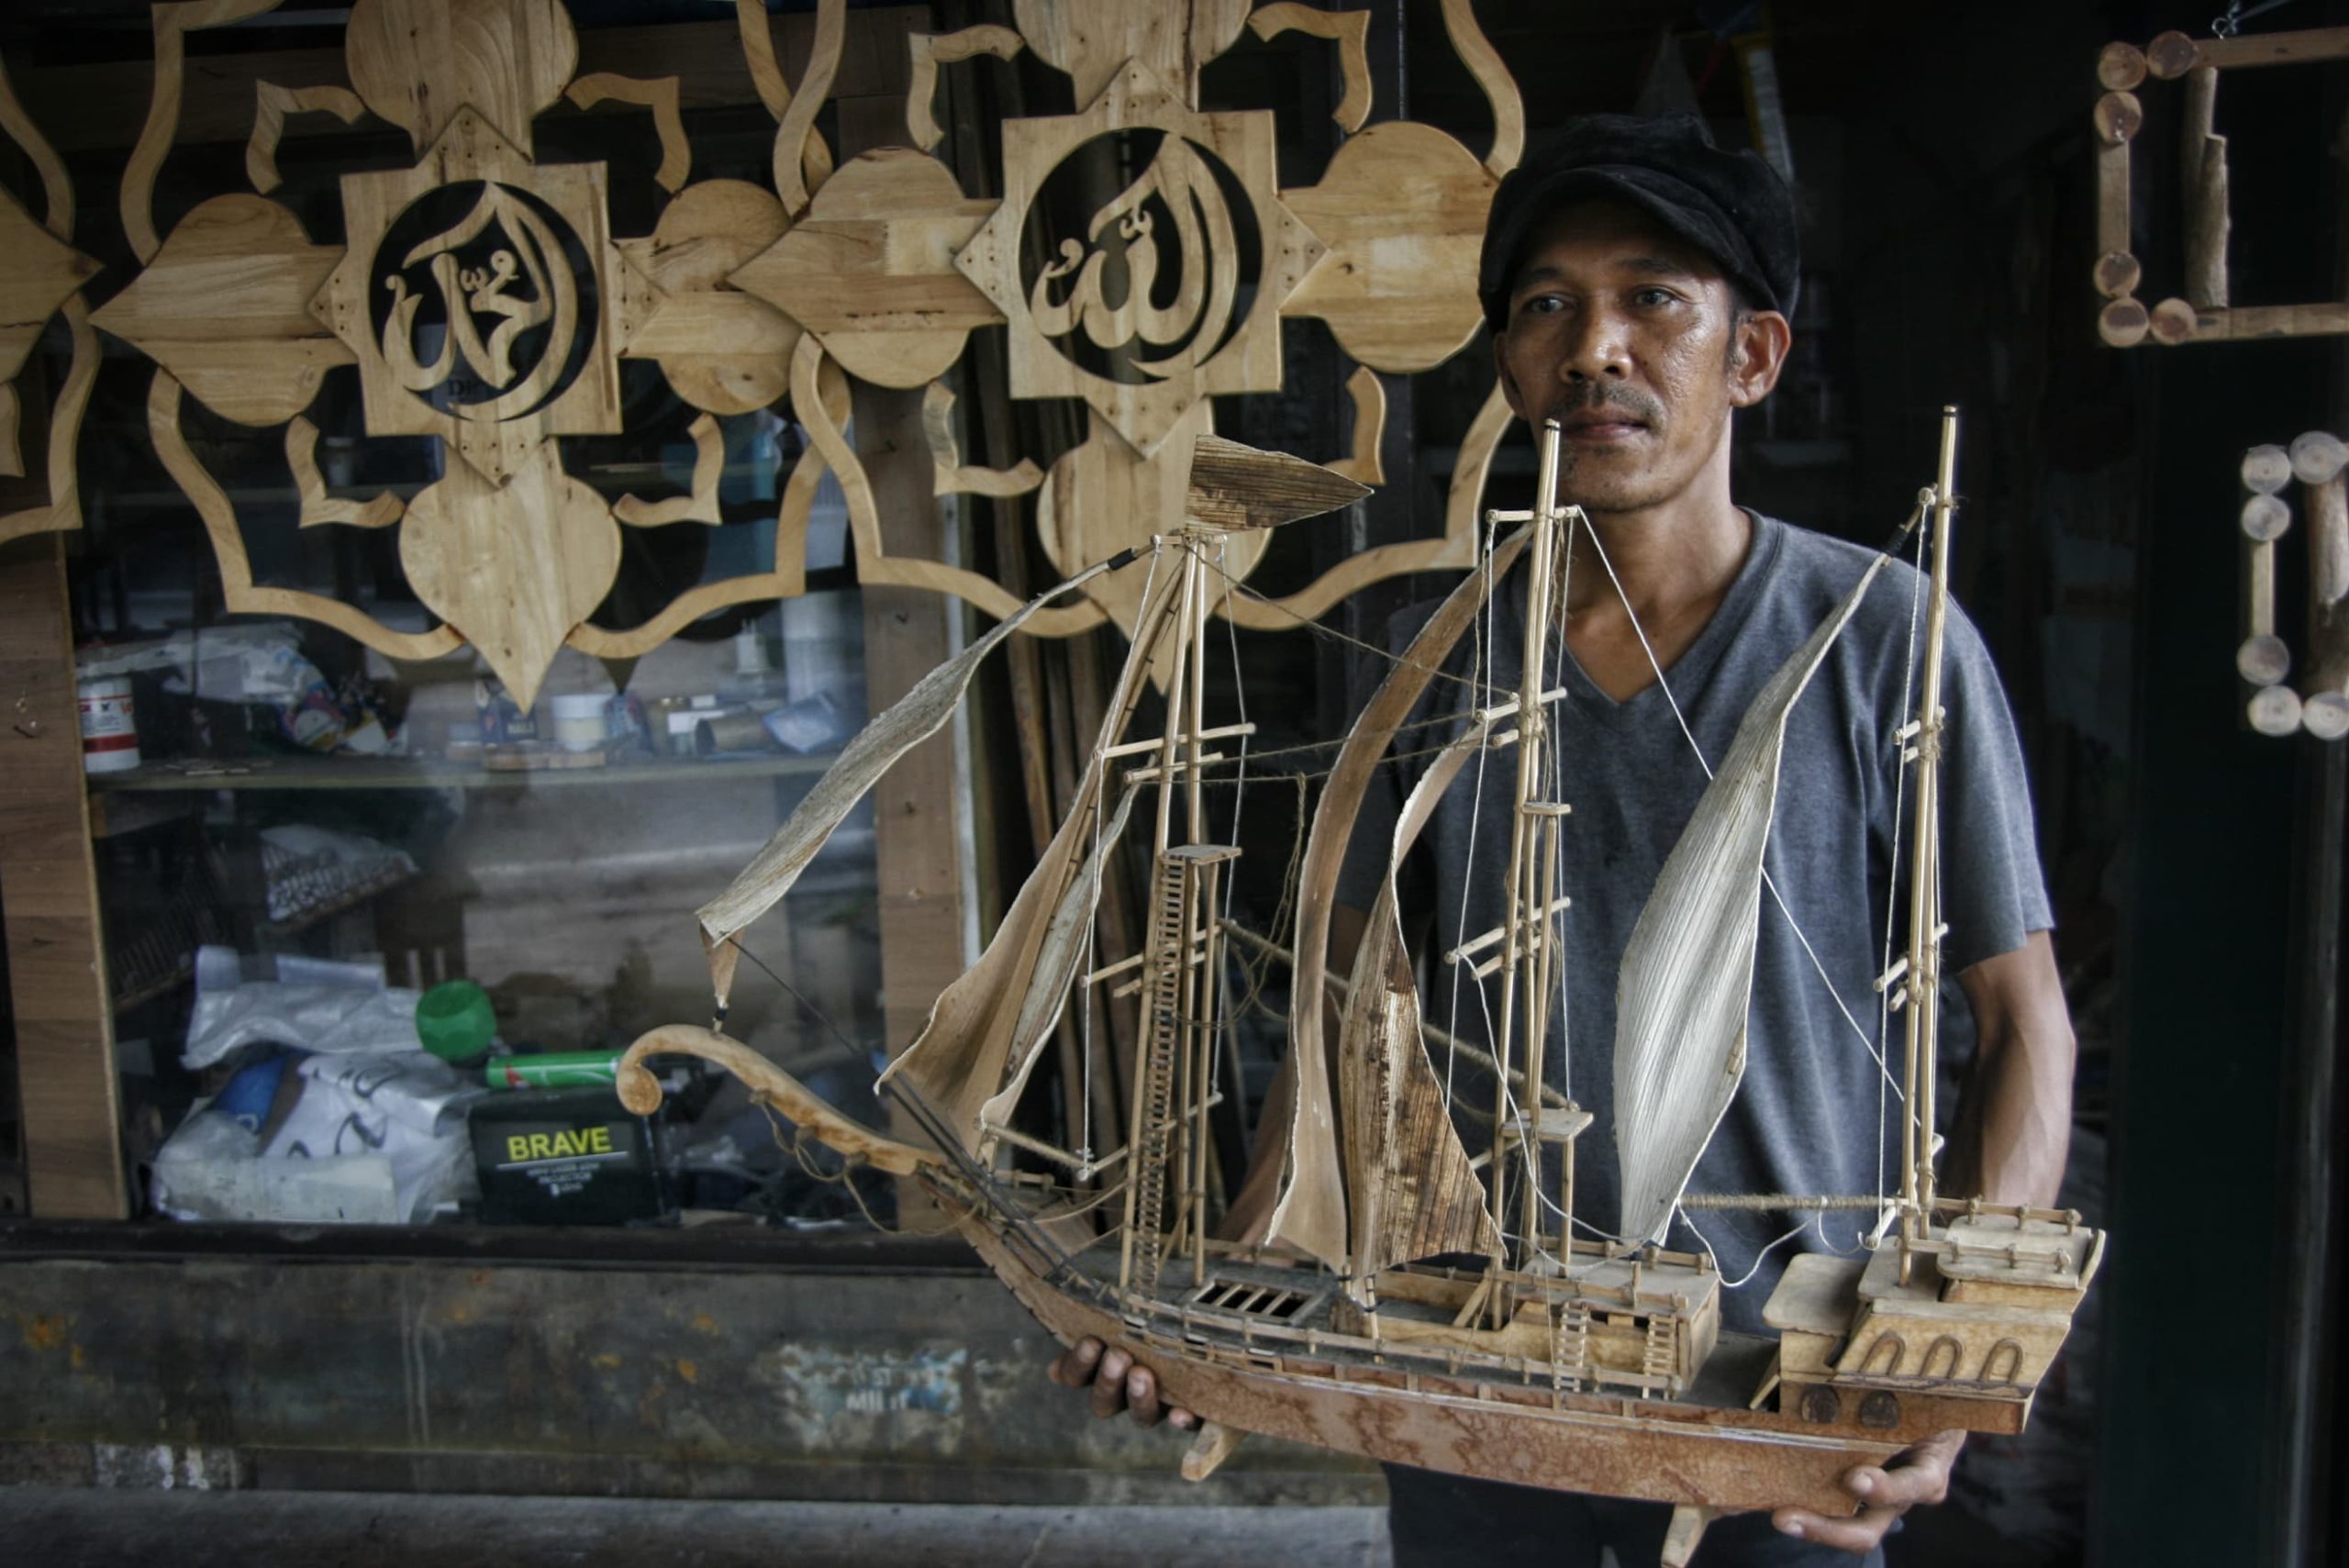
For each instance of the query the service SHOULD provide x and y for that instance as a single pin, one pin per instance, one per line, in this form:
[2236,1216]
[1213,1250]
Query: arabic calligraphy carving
[529,280]
[1124,253]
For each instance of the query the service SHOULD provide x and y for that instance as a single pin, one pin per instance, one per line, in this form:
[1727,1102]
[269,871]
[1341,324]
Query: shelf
[298,772]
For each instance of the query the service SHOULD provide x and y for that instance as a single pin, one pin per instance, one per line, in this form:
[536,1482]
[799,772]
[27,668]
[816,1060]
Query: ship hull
[1725,1457]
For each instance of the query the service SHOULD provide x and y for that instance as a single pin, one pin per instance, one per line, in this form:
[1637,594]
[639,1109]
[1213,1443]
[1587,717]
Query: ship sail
[906,723]
[1687,973]
[957,1064]
[974,1055]
[1412,1193]
[1056,963]
[1307,1207]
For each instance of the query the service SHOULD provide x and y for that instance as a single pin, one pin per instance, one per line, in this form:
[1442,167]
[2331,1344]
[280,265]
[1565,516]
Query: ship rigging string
[1476,684]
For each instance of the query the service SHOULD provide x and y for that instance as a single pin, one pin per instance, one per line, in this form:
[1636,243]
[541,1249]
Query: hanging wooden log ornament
[2319,462]
[2203,312]
[40,279]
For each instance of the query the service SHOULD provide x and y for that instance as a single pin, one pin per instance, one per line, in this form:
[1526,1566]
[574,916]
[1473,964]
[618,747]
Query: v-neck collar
[1689,673]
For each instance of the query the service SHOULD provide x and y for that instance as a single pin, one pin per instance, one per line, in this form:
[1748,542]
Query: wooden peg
[2173,321]
[2266,519]
[2328,640]
[2113,238]
[2267,469]
[2326,716]
[2317,456]
[2275,710]
[2172,55]
[2263,660]
[2117,273]
[2119,66]
[2203,168]
[2119,117]
[2123,323]
[1682,1535]
[1209,1450]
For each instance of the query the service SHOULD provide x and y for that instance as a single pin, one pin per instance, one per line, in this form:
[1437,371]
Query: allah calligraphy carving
[1071,295]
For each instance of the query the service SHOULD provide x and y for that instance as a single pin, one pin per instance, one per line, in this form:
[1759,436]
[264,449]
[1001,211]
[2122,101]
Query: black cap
[1731,206]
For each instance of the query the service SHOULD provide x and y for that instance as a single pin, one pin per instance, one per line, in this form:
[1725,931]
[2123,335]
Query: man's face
[1630,338]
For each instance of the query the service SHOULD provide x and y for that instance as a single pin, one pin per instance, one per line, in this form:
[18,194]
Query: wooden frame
[2317,461]
[2205,314]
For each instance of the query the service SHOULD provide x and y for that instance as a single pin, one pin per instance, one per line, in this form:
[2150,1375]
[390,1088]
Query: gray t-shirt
[1814,1114]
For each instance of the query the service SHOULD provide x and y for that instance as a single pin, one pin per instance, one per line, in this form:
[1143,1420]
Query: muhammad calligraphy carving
[526,282]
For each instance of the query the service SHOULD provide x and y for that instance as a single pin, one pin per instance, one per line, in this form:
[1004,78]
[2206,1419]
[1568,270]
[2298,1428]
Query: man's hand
[1919,1474]
[1119,1383]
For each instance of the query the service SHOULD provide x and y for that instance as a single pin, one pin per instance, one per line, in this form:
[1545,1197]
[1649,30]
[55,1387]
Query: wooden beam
[906,636]
[49,900]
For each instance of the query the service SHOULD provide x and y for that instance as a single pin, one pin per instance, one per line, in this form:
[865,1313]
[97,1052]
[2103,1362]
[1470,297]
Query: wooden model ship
[1389,1293]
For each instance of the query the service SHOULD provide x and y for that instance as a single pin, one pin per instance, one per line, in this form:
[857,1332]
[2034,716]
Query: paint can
[579,720]
[109,730]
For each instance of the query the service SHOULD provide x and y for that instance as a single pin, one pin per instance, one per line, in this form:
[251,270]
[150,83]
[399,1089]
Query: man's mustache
[1592,396]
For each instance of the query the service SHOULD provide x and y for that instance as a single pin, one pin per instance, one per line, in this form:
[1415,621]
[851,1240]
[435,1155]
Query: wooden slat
[50,900]
[2273,48]
[905,637]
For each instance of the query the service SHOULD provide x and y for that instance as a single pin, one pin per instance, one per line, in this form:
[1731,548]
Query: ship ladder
[1570,1345]
[1658,1361]
[1165,1008]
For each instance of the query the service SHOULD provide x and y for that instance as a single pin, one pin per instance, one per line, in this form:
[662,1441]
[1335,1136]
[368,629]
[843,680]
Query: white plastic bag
[314,1005]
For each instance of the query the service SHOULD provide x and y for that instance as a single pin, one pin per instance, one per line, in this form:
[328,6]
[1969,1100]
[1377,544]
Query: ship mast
[1923,737]
[1528,959]
[1182,959]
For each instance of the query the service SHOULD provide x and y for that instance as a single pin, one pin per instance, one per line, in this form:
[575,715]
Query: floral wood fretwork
[40,280]
[483,300]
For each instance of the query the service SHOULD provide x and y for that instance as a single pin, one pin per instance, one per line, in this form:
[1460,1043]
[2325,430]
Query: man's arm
[2014,1125]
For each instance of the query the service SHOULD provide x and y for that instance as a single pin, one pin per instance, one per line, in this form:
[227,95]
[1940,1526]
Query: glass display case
[375,930]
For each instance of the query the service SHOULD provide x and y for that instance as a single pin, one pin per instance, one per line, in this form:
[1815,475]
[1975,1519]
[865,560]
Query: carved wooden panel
[485,301]
[1170,290]
[40,279]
